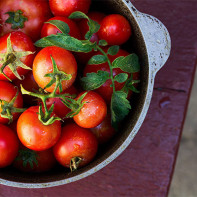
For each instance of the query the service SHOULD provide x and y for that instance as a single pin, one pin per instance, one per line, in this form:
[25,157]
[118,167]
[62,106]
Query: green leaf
[97,59]
[93,25]
[66,42]
[103,43]
[77,15]
[93,28]
[113,50]
[120,78]
[120,107]
[128,64]
[62,26]
[93,81]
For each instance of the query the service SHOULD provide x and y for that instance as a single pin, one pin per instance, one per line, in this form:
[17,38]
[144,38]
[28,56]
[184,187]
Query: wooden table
[146,167]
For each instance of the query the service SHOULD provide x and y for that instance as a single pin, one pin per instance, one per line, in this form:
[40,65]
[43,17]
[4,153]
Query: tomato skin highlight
[42,65]
[36,11]
[115,29]
[66,7]
[33,134]
[75,142]
[49,29]
[20,42]
[7,93]
[9,145]
[93,112]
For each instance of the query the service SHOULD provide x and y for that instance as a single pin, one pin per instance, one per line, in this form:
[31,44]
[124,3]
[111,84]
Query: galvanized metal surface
[158,46]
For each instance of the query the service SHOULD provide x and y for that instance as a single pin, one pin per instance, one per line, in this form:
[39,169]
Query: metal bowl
[151,41]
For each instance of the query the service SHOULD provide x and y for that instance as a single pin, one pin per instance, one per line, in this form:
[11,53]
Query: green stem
[110,67]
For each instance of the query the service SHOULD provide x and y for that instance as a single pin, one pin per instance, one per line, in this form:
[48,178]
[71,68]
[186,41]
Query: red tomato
[84,28]
[75,142]
[66,7]
[59,108]
[33,134]
[35,13]
[93,112]
[104,131]
[7,93]
[45,160]
[9,145]
[105,90]
[29,84]
[42,65]
[20,42]
[49,29]
[115,29]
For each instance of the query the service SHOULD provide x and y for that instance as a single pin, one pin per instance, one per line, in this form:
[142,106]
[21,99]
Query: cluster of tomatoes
[39,88]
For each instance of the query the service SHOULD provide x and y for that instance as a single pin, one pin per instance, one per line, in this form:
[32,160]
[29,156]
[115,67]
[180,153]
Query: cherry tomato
[106,90]
[115,29]
[93,111]
[49,29]
[34,161]
[66,7]
[28,16]
[9,145]
[29,84]
[35,135]
[104,131]
[42,65]
[20,42]
[84,28]
[75,142]
[59,108]
[7,92]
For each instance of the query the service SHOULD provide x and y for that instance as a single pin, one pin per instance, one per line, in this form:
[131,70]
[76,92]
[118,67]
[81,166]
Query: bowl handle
[156,37]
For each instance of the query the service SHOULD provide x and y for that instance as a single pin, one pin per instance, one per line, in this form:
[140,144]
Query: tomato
[34,14]
[29,84]
[35,135]
[34,161]
[42,65]
[84,28]
[93,111]
[49,29]
[66,7]
[106,90]
[115,29]
[9,145]
[104,131]
[7,93]
[59,108]
[20,42]
[75,142]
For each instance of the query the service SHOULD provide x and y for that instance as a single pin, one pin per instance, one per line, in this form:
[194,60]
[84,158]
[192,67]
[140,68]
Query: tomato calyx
[7,108]
[74,163]
[57,77]
[11,59]
[16,19]
[28,157]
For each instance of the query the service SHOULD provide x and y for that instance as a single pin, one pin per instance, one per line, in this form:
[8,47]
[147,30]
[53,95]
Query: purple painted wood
[145,168]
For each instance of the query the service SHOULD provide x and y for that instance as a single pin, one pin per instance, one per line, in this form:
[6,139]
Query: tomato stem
[110,66]
[74,163]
